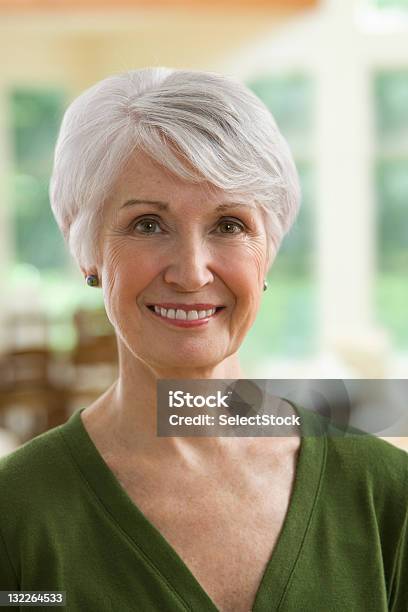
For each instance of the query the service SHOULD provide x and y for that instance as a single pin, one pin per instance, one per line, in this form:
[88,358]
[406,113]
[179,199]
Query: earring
[92,280]
[265,285]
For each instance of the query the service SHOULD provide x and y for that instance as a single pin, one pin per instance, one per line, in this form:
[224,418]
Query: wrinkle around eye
[240,228]
[132,228]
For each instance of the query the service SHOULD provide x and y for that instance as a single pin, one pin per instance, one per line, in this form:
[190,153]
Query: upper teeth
[184,315]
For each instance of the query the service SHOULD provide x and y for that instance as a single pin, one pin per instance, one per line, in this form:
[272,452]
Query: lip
[185,323]
[185,307]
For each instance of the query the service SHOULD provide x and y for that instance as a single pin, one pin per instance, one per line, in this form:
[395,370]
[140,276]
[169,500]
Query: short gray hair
[201,126]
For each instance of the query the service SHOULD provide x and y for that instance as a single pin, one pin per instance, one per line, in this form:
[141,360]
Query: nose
[189,265]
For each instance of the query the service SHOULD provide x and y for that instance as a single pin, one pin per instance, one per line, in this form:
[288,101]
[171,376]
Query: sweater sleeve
[8,578]
[398,600]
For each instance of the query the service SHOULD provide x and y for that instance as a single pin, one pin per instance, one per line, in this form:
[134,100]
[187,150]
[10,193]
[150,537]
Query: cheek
[250,275]
[119,275]
[125,268]
[250,268]
[258,253]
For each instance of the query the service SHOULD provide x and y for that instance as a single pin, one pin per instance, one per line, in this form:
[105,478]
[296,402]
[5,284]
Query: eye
[231,227]
[146,226]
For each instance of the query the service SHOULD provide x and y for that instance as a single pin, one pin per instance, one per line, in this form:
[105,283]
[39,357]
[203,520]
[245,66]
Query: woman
[174,190]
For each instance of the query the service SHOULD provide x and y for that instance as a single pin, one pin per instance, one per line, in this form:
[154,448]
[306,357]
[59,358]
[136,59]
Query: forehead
[142,177]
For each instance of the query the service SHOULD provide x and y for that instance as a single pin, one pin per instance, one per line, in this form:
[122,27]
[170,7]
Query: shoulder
[358,455]
[369,456]
[34,471]
[27,458]
[375,474]
[354,456]
[38,497]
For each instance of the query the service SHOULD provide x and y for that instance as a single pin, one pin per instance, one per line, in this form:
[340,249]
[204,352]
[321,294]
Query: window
[35,119]
[391,174]
[390,4]
[286,324]
[382,16]
[42,267]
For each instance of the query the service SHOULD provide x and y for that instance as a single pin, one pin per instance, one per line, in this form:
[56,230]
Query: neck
[128,409]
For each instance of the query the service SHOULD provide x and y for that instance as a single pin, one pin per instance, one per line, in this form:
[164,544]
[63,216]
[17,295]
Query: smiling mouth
[179,314]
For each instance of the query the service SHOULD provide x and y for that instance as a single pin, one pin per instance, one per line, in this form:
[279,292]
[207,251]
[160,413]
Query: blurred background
[335,75]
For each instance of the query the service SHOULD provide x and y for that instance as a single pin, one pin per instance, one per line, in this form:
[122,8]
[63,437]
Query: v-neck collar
[154,546]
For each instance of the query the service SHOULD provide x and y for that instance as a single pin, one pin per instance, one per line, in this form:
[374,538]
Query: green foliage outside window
[392,190]
[387,4]
[42,266]
[290,98]
[391,102]
[286,324]
[391,174]
[35,118]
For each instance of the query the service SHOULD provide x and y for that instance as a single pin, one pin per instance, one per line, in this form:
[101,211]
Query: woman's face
[182,248]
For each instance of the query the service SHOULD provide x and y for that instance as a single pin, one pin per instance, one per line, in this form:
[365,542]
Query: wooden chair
[26,329]
[94,360]
[30,401]
[91,323]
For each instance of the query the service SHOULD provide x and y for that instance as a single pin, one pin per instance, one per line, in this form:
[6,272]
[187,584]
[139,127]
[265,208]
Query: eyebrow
[164,206]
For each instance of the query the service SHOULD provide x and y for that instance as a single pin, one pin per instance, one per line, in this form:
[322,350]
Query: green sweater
[67,524]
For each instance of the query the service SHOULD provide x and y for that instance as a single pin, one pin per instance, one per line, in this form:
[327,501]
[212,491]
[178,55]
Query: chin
[185,354]
[185,361]
[182,358]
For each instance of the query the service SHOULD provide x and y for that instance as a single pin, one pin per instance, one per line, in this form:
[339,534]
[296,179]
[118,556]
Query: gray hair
[201,126]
